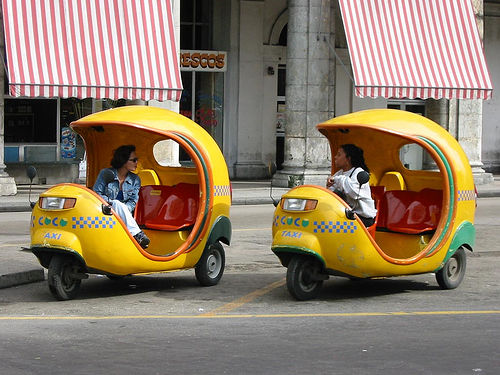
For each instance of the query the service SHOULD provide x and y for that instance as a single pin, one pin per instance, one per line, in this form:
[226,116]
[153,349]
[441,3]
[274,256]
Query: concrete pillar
[7,184]
[309,92]
[467,116]
[466,124]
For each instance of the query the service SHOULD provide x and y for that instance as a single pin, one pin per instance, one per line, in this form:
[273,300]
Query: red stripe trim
[8,45]
[27,49]
[149,77]
[415,48]
[164,43]
[88,48]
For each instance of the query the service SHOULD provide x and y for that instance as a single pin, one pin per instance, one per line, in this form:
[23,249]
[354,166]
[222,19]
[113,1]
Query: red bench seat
[411,212]
[167,208]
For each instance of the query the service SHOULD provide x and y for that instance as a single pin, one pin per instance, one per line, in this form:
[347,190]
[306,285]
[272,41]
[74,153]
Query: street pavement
[19,266]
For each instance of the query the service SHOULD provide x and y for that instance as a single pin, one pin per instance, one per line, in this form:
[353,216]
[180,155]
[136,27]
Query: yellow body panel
[102,241]
[345,246]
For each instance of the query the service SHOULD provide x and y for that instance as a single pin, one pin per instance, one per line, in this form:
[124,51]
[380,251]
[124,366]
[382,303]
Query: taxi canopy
[144,126]
[382,132]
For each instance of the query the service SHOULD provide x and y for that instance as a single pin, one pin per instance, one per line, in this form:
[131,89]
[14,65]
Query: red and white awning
[415,49]
[92,48]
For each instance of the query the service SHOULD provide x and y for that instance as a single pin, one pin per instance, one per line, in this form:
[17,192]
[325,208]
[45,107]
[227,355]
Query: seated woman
[122,192]
[350,161]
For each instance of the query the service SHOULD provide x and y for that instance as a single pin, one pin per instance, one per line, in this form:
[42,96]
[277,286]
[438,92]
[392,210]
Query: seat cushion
[175,209]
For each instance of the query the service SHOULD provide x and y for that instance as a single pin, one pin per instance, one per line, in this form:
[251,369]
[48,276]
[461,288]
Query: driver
[350,161]
[122,192]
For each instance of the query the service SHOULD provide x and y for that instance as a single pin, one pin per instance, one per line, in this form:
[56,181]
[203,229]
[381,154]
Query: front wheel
[302,278]
[452,274]
[210,267]
[62,284]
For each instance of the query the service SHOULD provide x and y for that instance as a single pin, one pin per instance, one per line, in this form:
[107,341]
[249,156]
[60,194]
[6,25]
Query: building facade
[249,83]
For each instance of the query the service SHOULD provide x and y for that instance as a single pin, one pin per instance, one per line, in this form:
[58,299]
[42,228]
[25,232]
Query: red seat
[167,207]
[411,212]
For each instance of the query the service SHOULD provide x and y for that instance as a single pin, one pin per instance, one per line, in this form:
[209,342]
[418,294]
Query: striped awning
[91,48]
[415,49]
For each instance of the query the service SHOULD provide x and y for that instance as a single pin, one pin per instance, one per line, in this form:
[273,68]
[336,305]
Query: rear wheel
[302,277]
[62,284]
[452,274]
[210,267]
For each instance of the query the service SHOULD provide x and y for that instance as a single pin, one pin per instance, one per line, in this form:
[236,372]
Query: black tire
[211,265]
[61,284]
[453,272]
[300,279]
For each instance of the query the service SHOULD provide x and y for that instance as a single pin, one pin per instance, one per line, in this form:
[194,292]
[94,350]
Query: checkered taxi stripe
[337,227]
[104,222]
[466,195]
[222,190]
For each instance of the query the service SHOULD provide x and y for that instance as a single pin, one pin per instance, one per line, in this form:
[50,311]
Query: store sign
[203,61]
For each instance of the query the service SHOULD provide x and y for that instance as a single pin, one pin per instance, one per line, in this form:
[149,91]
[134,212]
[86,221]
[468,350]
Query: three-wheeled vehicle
[425,210]
[183,208]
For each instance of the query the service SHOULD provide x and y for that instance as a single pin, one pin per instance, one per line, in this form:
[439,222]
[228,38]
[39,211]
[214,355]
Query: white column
[7,184]
[309,92]
[467,116]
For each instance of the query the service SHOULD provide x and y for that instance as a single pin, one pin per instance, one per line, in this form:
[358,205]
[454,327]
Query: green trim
[451,184]
[207,188]
[221,229]
[297,250]
[465,235]
[40,250]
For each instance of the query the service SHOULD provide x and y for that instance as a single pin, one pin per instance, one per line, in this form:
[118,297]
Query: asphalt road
[249,324]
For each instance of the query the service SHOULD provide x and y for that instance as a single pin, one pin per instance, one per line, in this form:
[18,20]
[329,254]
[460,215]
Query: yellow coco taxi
[183,208]
[424,219]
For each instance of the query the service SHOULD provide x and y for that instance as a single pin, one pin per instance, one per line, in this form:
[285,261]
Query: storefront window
[30,120]
[205,107]
[202,70]
[30,130]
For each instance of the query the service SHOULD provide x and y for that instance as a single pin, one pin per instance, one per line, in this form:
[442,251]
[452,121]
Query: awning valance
[415,49]
[91,48]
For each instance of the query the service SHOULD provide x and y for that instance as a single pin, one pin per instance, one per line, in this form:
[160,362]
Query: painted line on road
[245,299]
[237,316]
[13,245]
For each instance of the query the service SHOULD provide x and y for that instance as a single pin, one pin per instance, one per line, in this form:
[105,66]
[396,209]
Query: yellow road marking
[245,299]
[235,316]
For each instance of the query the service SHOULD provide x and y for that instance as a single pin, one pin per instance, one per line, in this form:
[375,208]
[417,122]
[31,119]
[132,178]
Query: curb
[15,208]
[23,277]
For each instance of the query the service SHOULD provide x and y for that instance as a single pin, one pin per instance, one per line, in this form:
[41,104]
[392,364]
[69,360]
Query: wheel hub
[213,265]
[453,269]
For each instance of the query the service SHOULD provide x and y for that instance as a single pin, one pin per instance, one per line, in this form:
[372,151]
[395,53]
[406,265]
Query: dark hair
[355,153]
[121,155]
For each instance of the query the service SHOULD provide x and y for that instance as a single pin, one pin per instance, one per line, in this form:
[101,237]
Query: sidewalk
[20,267]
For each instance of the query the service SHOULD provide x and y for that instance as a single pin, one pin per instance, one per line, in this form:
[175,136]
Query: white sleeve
[348,185]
